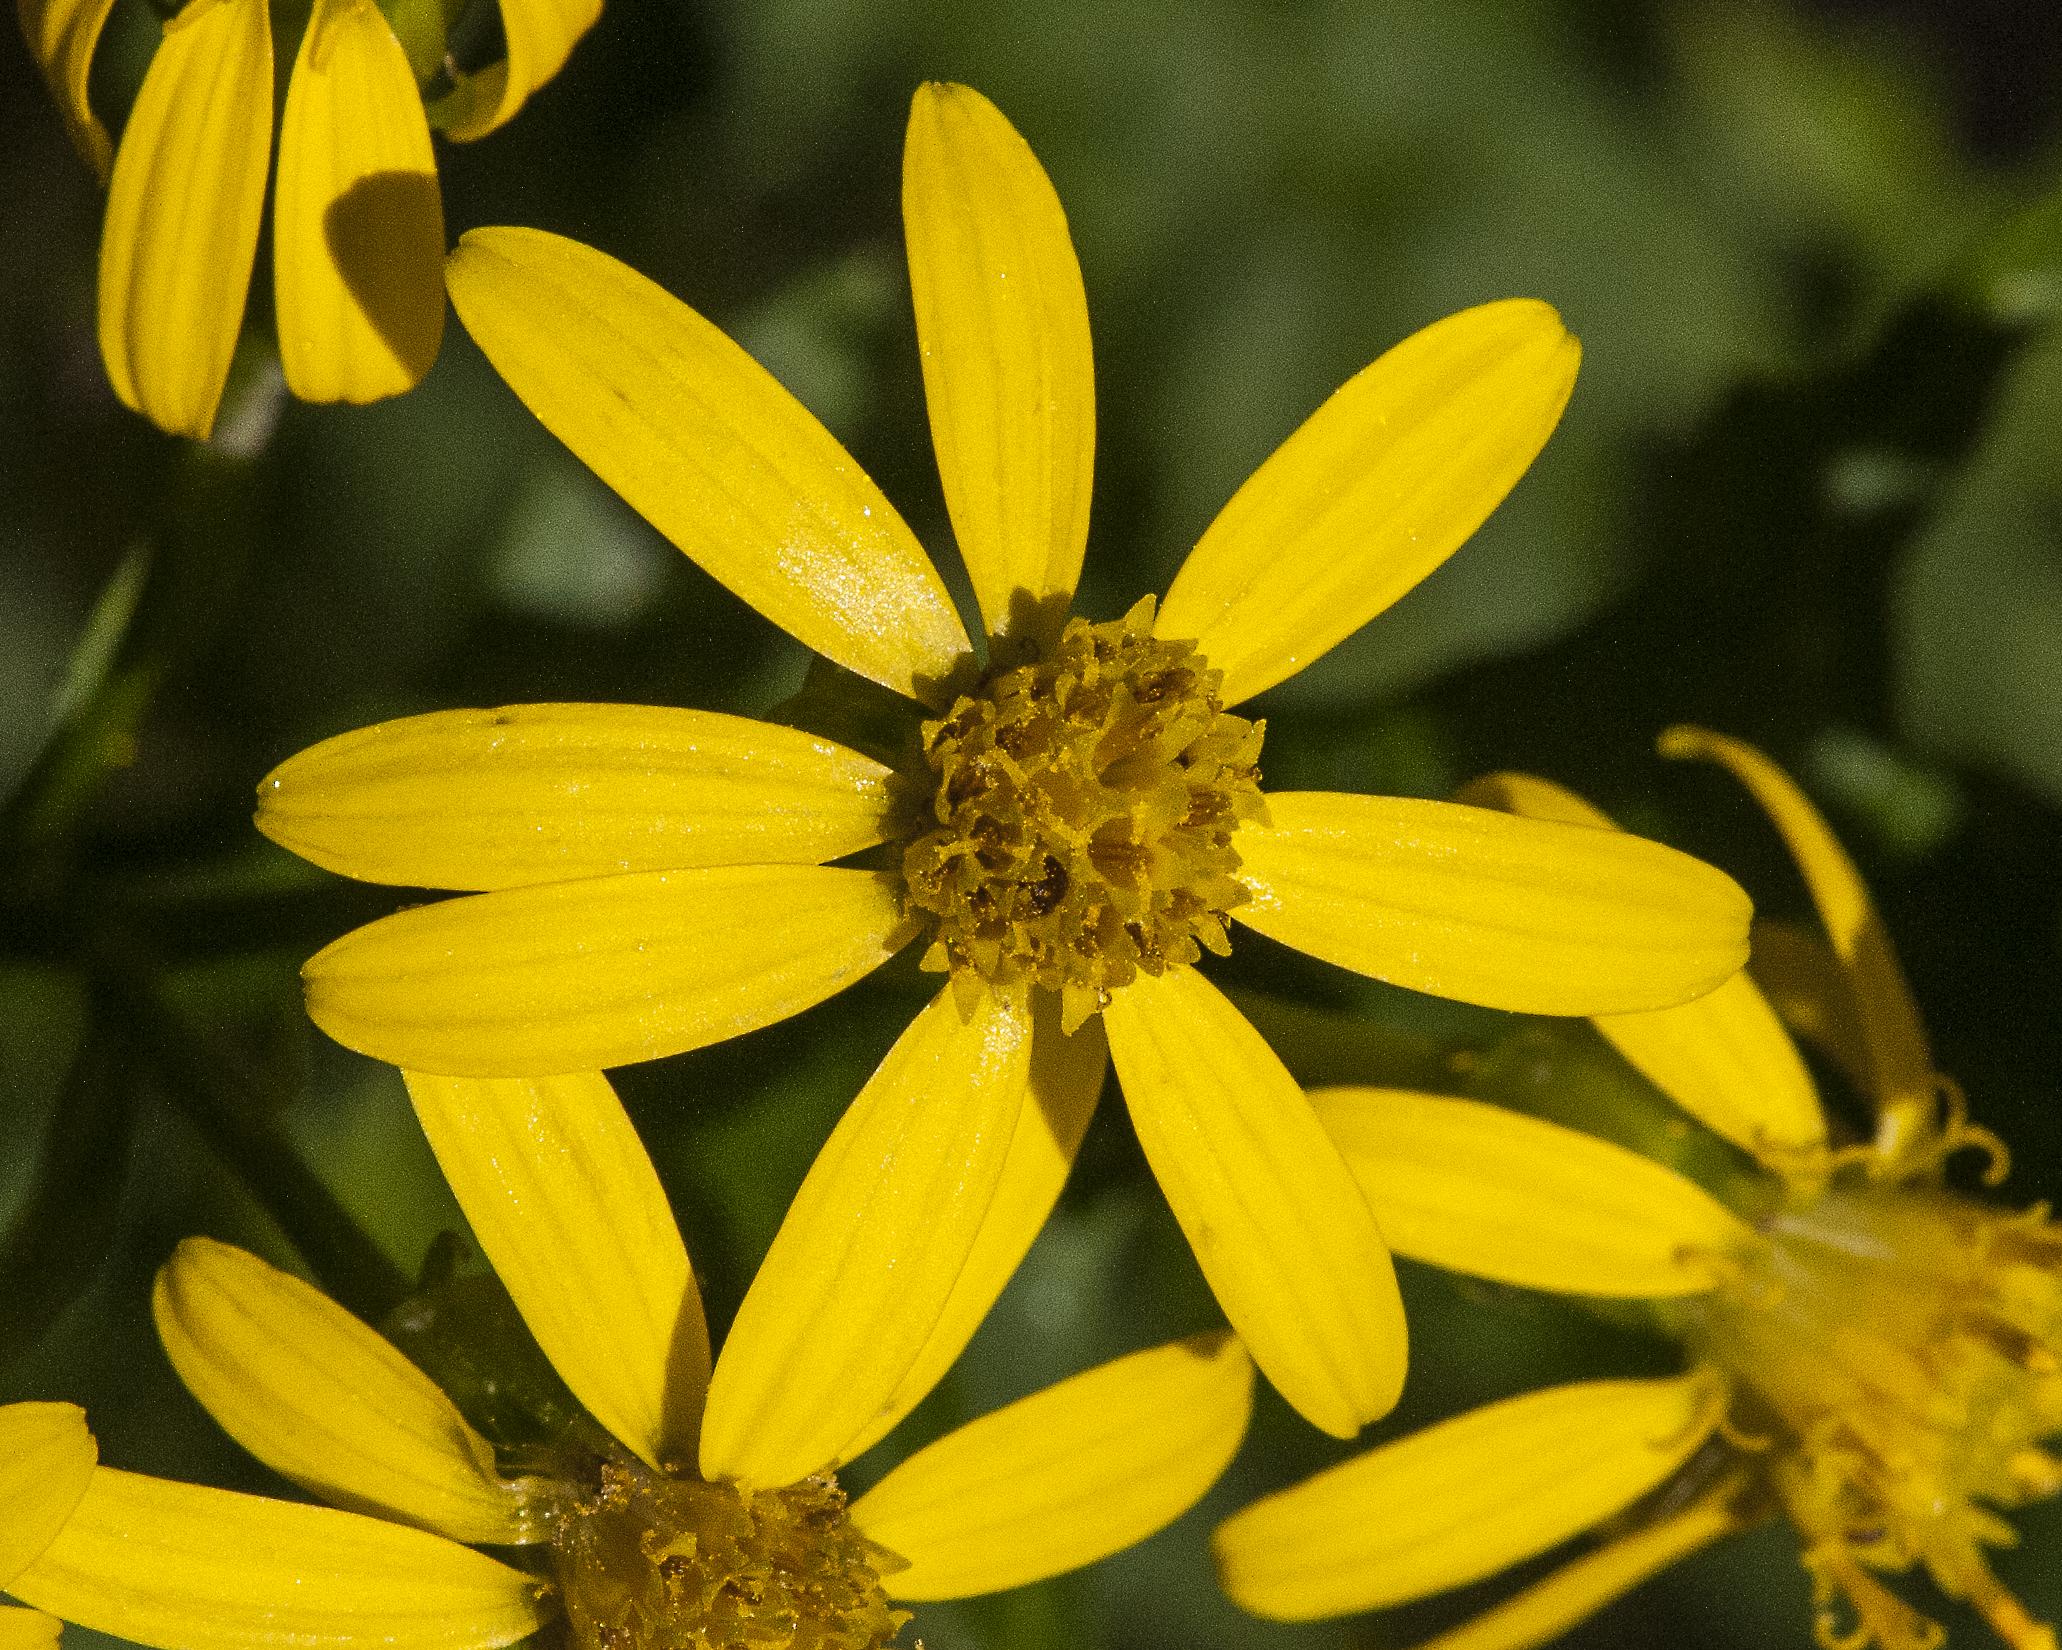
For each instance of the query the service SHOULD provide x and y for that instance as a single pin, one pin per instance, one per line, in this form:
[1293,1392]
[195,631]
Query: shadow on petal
[386,234]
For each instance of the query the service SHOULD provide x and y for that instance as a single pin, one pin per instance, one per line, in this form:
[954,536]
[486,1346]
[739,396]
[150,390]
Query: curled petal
[541,35]
[1463,1499]
[62,35]
[702,441]
[1069,1475]
[324,1400]
[1383,482]
[1002,324]
[548,793]
[863,1265]
[577,976]
[46,1462]
[358,223]
[1530,915]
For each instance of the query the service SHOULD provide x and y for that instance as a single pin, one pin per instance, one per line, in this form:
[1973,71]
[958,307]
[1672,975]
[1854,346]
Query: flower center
[655,1563]
[1080,832]
[1903,1350]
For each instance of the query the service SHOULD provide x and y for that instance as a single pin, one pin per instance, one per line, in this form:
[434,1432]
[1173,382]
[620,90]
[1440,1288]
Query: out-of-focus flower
[357,225]
[1875,1357]
[663,1525]
[46,1461]
[1073,828]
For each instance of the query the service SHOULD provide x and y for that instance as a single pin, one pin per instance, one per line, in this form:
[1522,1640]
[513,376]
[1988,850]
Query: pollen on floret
[1079,826]
[652,1562]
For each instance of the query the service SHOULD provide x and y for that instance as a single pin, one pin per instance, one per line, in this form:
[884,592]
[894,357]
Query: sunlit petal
[1066,1476]
[1383,482]
[541,34]
[1902,1070]
[28,1629]
[1725,1058]
[1522,914]
[324,1400]
[548,793]
[566,1206]
[46,1461]
[1462,1499]
[577,976]
[183,213]
[871,1248]
[1277,1222]
[62,34]
[1065,1079]
[1002,323]
[357,222]
[180,1565]
[715,454]
[1483,1190]
[1577,1590]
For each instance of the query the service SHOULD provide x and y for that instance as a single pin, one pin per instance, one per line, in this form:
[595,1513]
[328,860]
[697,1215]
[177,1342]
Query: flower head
[1875,1357]
[1064,833]
[358,225]
[647,1522]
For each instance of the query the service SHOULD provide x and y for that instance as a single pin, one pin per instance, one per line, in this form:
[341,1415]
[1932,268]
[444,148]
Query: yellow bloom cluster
[357,225]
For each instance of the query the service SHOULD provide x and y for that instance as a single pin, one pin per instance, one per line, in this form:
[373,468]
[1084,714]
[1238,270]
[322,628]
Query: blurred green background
[1807,493]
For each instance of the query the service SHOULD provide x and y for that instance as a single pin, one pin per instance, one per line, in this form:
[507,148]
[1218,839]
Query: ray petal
[46,1462]
[1067,1476]
[324,1400]
[61,36]
[566,1205]
[548,793]
[1383,482]
[28,1629]
[577,976]
[711,450]
[1523,914]
[1463,1499]
[1276,1220]
[541,35]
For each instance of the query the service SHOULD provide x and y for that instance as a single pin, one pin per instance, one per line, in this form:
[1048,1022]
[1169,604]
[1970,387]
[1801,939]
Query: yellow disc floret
[1080,829]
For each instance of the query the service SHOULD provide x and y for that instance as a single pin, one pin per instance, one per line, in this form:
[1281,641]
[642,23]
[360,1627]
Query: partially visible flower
[649,1531]
[1879,1358]
[357,225]
[1074,826]
[46,1461]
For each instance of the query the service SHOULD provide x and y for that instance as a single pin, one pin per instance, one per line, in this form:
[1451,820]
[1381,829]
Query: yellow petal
[1902,1071]
[358,224]
[1002,322]
[541,35]
[1463,1499]
[1065,1079]
[205,1569]
[1277,1223]
[1383,482]
[1522,914]
[715,454]
[548,793]
[566,1206]
[183,212]
[323,1400]
[1483,1190]
[575,976]
[867,1257]
[28,1629]
[46,1460]
[62,35]
[1067,1476]
[1812,995]
[1549,1608]
[1725,1058]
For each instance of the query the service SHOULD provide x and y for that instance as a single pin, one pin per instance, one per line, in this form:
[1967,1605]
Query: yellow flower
[357,224]
[1876,1357]
[669,1527]
[1068,833]
[46,1460]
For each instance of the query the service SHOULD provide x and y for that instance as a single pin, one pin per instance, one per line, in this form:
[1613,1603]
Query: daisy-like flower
[46,1461]
[357,223]
[664,1526]
[1875,1357]
[1073,826]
